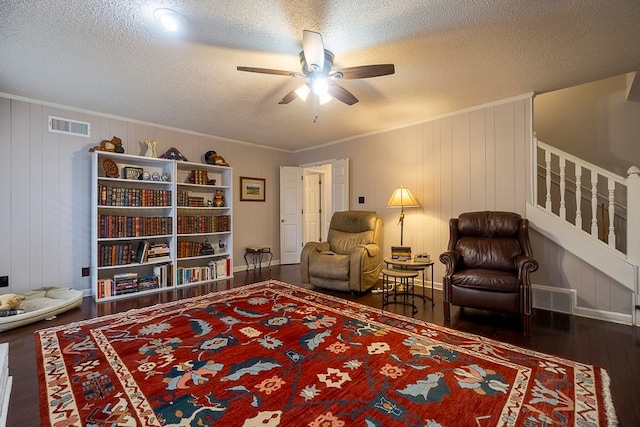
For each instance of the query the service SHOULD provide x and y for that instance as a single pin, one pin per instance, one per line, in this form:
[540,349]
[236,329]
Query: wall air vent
[69,127]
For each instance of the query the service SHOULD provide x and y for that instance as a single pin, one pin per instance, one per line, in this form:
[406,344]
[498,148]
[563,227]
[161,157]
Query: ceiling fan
[321,82]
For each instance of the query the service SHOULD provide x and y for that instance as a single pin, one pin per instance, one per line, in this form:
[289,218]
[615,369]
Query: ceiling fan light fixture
[323,99]
[168,18]
[303,92]
[320,86]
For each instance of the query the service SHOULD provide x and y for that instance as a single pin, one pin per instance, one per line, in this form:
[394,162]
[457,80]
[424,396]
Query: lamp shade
[402,198]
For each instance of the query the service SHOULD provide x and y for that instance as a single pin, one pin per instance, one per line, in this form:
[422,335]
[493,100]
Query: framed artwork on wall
[252,189]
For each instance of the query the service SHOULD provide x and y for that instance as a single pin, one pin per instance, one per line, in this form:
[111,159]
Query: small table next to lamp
[413,265]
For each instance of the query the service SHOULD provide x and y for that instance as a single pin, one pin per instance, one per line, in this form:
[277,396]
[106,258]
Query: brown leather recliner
[351,258]
[488,263]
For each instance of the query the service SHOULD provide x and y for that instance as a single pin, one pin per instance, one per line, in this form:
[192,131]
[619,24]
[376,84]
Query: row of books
[114,254]
[127,283]
[213,270]
[126,226]
[188,249]
[186,199]
[203,224]
[199,177]
[117,196]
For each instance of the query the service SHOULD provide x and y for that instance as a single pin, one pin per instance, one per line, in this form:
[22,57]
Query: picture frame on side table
[252,189]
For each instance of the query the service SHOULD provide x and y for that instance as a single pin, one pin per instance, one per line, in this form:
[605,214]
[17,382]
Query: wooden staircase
[590,212]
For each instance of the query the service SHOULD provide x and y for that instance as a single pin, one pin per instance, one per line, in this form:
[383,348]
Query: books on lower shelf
[213,270]
[127,283]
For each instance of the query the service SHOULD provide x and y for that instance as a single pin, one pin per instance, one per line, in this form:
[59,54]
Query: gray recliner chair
[351,258]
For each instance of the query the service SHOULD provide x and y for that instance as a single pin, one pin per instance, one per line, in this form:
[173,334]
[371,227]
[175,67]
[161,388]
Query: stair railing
[576,191]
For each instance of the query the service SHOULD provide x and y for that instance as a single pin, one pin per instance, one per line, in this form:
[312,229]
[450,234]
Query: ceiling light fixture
[303,92]
[323,99]
[320,86]
[168,18]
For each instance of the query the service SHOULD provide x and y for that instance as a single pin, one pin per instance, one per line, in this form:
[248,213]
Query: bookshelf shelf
[134,219]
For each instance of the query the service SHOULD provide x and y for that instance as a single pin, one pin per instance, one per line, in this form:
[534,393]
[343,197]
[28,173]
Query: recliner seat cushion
[489,280]
[329,266]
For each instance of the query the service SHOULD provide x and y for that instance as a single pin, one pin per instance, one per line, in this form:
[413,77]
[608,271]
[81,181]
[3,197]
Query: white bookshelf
[128,214]
[5,383]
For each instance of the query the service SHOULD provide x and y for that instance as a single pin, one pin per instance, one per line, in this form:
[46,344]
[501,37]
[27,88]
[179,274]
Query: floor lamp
[402,198]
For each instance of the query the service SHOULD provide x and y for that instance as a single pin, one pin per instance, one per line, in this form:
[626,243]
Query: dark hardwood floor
[611,346]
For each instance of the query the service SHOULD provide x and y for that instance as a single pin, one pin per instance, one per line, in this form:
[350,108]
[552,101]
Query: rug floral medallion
[273,354]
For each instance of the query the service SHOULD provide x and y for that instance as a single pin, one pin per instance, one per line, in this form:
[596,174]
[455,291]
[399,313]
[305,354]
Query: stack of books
[158,251]
[401,253]
[124,283]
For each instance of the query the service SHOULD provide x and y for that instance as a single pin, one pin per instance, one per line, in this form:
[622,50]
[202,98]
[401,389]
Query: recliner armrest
[371,248]
[450,260]
[310,247]
[525,265]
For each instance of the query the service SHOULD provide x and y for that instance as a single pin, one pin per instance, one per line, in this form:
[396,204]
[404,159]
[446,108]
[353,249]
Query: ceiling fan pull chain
[315,108]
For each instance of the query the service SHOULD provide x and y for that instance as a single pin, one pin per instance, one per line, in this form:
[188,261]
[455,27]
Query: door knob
[282,220]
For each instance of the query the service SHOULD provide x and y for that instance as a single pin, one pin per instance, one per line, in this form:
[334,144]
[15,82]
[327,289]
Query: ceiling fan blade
[288,97]
[313,50]
[341,94]
[365,71]
[269,71]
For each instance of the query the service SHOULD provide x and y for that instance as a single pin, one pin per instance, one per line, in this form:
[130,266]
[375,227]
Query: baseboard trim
[607,316]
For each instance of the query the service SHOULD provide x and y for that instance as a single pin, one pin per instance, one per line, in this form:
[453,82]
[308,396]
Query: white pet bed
[41,304]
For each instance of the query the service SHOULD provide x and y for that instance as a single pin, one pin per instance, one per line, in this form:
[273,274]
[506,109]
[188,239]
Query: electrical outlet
[86,271]
[360,199]
[4,281]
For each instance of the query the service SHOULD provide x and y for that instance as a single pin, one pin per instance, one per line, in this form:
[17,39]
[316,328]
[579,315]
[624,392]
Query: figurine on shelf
[151,148]
[114,145]
[218,200]
[206,248]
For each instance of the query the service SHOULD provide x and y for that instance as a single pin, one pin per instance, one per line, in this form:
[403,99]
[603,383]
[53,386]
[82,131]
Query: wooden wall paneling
[540,250]
[120,129]
[73,220]
[520,132]
[490,158]
[478,160]
[102,131]
[38,125]
[418,179]
[432,243]
[447,170]
[603,289]
[505,157]
[621,300]
[441,222]
[51,200]
[19,198]
[461,164]
[5,189]
[586,286]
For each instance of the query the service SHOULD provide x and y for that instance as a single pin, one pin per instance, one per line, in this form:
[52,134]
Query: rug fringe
[610,410]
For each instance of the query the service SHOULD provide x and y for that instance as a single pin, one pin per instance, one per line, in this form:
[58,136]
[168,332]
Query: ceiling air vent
[69,127]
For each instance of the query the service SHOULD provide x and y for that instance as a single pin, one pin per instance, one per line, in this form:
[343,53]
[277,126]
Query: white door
[339,185]
[312,208]
[290,214]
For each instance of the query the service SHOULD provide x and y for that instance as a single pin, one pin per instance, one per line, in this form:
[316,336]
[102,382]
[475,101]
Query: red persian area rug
[273,354]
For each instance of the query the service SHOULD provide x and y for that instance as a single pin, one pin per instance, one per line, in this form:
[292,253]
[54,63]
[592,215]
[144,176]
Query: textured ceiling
[111,56]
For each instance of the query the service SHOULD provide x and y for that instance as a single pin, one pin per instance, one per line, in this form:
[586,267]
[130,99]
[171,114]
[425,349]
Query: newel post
[633,220]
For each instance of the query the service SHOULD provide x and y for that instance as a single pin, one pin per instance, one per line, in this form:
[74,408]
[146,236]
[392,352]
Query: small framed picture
[132,173]
[252,189]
